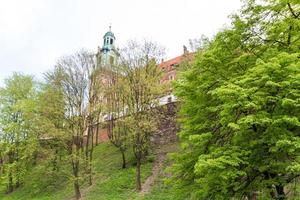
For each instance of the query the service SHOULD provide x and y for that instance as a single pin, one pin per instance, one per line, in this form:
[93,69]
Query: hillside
[110,182]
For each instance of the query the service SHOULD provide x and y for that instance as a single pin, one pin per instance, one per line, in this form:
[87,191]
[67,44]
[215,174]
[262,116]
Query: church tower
[108,54]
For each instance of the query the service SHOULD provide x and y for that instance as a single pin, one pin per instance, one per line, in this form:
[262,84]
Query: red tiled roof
[174,61]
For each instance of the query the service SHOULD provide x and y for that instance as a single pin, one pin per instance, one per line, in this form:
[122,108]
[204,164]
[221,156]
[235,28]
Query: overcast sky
[35,33]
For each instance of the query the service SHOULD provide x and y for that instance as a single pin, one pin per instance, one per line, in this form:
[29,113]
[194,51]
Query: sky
[35,33]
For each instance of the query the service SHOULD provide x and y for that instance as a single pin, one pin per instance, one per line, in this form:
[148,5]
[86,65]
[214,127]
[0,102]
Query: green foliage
[142,90]
[240,110]
[18,136]
[111,182]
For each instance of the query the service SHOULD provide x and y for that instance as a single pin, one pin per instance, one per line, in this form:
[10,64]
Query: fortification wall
[167,127]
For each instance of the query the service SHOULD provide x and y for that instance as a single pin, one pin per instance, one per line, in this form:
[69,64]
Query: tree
[197,44]
[76,72]
[51,119]
[240,126]
[18,138]
[118,130]
[141,78]
[94,109]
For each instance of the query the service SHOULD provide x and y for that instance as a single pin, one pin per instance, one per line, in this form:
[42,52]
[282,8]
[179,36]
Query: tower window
[171,77]
[111,60]
[111,41]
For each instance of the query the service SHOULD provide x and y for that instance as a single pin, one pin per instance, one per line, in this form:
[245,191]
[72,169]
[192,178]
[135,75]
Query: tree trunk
[280,192]
[77,190]
[18,183]
[97,133]
[75,165]
[252,195]
[138,174]
[10,187]
[268,176]
[55,161]
[87,147]
[76,181]
[123,159]
[91,156]
[17,167]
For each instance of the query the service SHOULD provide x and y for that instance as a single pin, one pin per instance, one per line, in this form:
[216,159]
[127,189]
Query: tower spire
[108,53]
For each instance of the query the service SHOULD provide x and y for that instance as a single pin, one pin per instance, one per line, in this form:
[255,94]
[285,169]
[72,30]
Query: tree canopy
[240,107]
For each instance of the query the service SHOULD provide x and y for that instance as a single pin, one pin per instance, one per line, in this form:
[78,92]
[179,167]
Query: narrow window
[111,60]
[111,41]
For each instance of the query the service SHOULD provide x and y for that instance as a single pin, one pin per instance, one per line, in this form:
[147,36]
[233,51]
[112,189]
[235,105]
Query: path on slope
[158,166]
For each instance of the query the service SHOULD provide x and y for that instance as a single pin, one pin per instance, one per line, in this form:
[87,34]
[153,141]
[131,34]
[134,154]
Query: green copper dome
[109,40]
[109,34]
[108,54]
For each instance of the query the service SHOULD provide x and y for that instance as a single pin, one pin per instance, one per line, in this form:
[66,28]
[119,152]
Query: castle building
[170,67]
[108,56]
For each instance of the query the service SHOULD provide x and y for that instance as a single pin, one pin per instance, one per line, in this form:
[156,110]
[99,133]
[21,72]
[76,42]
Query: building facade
[170,67]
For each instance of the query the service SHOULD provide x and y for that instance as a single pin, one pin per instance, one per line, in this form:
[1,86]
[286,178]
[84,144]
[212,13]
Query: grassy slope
[110,181]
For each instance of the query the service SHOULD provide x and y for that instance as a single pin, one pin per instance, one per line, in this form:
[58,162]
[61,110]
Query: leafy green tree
[141,80]
[240,107]
[19,136]
[51,121]
[94,109]
[74,73]
[116,107]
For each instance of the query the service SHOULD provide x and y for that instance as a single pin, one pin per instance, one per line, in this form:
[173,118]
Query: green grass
[110,181]
[41,183]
